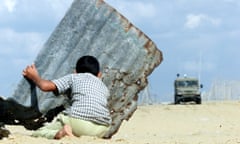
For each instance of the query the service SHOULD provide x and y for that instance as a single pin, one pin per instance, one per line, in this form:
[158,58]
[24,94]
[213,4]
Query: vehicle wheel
[176,101]
[198,101]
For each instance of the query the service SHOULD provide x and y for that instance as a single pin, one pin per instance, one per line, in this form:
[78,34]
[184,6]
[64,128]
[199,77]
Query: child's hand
[30,72]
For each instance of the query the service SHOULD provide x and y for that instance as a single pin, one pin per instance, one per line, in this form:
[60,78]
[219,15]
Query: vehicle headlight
[179,92]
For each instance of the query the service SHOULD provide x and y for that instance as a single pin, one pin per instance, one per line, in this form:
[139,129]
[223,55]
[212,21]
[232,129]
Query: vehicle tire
[198,101]
[176,100]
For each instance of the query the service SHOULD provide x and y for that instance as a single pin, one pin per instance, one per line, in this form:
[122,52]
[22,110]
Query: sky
[199,38]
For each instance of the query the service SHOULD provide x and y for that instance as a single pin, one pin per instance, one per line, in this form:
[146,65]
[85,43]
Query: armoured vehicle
[187,89]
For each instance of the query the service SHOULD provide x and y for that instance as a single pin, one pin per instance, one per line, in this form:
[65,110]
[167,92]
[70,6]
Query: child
[87,113]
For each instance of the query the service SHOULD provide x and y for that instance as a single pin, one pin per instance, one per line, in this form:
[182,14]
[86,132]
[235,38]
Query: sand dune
[209,123]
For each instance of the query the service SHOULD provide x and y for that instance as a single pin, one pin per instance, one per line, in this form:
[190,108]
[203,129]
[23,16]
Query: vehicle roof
[186,78]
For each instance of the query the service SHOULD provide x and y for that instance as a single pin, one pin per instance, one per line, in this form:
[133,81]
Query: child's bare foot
[65,131]
[68,130]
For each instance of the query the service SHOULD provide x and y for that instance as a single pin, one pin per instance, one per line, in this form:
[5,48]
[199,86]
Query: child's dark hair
[88,64]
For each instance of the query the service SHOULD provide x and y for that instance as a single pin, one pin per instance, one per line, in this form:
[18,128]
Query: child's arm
[31,73]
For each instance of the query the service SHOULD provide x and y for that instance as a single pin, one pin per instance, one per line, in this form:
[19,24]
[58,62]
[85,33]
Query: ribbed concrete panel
[92,27]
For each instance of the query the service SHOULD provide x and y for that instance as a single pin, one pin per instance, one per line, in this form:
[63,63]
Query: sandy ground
[209,123]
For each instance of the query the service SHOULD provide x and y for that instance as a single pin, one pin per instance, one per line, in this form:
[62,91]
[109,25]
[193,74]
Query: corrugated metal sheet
[92,27]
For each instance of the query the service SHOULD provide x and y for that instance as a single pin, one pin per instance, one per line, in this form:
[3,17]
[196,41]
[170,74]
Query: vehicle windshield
[187,83]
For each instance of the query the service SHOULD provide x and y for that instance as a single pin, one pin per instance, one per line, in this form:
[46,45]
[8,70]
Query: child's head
[88,64]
